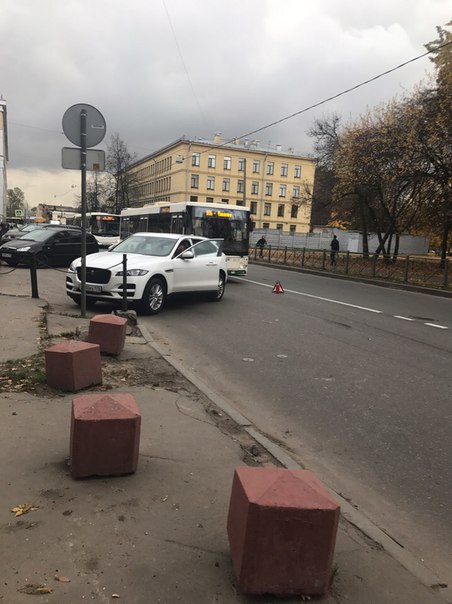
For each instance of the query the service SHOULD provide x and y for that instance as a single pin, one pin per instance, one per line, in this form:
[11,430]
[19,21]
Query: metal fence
[420,271]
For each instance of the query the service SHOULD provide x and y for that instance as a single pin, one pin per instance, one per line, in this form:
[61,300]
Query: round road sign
[95,125]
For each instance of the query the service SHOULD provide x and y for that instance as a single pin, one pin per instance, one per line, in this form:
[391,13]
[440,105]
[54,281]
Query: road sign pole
[83,187]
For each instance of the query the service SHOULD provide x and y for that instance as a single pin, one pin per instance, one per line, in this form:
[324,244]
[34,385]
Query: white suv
[157,265]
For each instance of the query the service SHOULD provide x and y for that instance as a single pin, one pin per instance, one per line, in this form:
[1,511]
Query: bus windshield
[104,224]
[230,224]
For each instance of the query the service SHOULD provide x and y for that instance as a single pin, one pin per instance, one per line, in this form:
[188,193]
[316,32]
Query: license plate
[4,255]
[95,289]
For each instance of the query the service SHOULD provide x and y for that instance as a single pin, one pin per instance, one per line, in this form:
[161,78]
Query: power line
[339,94]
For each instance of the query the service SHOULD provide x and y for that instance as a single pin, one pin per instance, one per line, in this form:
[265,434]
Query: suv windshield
[149,246]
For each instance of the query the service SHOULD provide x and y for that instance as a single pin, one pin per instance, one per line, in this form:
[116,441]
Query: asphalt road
[354,379]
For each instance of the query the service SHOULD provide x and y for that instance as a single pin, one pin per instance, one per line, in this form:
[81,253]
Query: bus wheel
[219,293]
[154,296]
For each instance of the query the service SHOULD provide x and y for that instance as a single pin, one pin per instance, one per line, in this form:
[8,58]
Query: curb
[348,512]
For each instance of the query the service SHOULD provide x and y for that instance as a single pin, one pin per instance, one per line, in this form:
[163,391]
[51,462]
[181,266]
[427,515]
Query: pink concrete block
[282,527]
[105,435]
[109,331]
[73,365]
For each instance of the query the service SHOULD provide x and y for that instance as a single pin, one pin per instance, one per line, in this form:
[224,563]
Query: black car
[56,246]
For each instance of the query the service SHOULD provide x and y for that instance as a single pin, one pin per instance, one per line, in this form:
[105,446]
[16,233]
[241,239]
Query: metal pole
[124,283]
[33,277]
[83,116]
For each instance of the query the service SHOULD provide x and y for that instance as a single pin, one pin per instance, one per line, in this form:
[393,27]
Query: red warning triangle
[278,288]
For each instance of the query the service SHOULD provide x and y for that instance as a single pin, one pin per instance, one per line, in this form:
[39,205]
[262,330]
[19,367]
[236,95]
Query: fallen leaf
[115,596]
[62,579]
[23,508]
[35,590]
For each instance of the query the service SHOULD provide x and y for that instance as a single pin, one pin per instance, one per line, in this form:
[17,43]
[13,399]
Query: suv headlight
[72,267]
[132,272]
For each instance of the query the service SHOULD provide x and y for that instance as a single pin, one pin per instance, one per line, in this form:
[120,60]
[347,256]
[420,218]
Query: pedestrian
[261,244]
[334,245]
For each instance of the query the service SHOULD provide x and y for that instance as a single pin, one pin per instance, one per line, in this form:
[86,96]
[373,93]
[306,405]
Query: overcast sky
[160,69]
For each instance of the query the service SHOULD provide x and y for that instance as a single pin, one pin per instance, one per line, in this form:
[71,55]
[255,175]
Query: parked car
[18,232]
[158,265]
[53,245]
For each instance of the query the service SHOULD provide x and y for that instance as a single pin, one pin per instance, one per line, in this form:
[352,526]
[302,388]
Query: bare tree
[119,159]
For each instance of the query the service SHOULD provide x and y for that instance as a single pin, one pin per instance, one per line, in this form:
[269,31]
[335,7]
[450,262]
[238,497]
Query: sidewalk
[158,536]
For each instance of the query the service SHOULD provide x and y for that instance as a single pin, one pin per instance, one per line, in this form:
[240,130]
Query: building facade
[275,184]
[3,159]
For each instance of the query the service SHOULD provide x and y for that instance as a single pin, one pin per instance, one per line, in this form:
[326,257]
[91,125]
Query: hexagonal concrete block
[73,365]
[282,527]
[105,435]
[109,331]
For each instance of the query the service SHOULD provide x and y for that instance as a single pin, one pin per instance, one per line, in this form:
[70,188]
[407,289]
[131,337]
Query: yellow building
[277,185]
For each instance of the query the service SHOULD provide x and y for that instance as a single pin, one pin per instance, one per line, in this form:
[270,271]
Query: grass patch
[23,375]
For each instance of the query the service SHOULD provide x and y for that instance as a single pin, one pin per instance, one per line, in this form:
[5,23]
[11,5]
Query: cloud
[158,70]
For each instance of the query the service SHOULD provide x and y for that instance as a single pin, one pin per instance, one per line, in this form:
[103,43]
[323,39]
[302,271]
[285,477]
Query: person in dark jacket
[261,244]
[334,245]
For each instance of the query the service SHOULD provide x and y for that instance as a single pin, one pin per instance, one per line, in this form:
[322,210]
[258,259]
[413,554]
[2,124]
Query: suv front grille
[95,275]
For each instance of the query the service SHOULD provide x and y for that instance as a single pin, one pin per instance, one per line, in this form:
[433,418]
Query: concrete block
[282,527]
[73,365]
[105,435]
[109,331]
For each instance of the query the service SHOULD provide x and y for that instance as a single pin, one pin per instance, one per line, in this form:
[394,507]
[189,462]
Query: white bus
[104,226]
[214,220]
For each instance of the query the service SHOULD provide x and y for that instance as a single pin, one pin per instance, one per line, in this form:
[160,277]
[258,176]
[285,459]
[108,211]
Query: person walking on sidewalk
[261,244]
[334,245]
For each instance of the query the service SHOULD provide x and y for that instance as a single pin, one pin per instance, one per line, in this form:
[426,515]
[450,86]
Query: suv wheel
[219,293]
[154,296]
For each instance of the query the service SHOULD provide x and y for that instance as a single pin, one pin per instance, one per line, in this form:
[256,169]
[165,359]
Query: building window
[239,202]
[281,210]
[279,227]
[267,209]
[294,211]
[227,163]
[254,188]
[210,183]
[242,163]
[193,198]
[282,190]
[240,186]
[269,188]
[256,166]
[265,225]
[226,184]
[194,181]
[211,161]
[209,199]
[297,172]
[270,168]
[253,207]
[284,169]
[195,159]
[292,229]
[225,201]
[296,192]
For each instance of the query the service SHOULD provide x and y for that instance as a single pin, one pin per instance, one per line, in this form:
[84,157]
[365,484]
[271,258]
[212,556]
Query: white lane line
[403,318]
[437,326]
[291,291]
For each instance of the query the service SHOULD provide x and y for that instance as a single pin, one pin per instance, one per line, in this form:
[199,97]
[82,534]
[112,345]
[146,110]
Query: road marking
[291,291]
[437,326]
